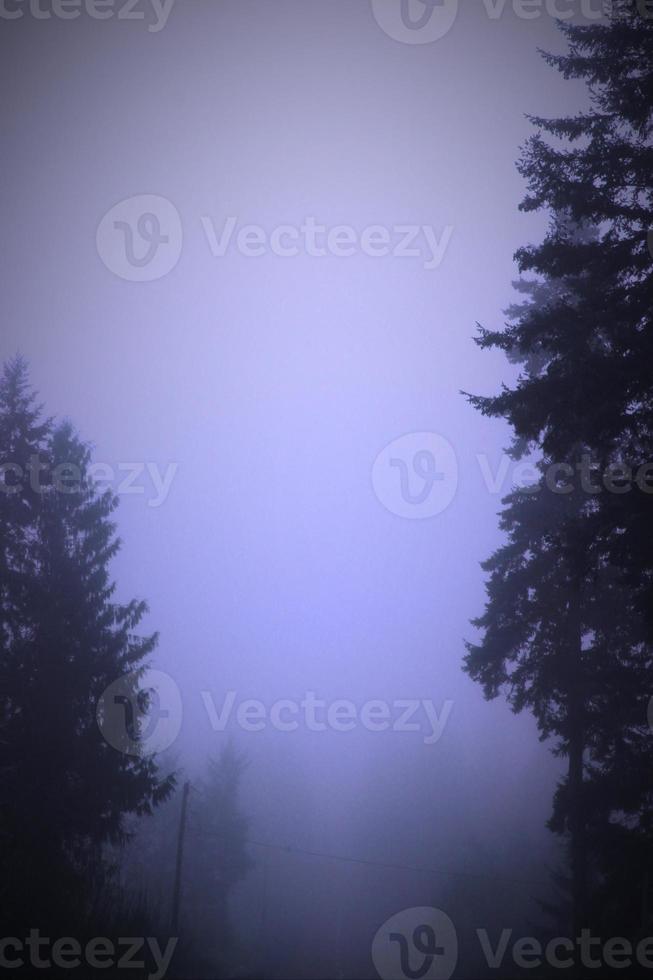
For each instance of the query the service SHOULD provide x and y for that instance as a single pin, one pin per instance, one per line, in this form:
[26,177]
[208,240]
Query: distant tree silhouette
[65,791]
[217,851]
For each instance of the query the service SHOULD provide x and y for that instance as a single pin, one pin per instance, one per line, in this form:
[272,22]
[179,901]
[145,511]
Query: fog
[247,397]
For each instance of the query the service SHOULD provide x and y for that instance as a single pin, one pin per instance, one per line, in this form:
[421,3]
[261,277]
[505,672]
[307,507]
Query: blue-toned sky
[272,383]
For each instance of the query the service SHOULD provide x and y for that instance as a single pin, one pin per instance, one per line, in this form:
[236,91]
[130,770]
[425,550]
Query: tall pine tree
[567,643]
[65,639]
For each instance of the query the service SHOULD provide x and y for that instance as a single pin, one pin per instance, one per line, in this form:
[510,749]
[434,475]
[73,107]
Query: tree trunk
[577,823]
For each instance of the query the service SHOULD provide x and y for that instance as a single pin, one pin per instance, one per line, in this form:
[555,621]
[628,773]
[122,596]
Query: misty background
[272,384]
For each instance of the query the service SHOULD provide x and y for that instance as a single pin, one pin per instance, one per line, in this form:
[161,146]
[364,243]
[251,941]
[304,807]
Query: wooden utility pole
[176,894]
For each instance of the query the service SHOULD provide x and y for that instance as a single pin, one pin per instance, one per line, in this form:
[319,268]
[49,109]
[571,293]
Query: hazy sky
[274,382]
